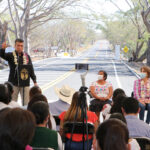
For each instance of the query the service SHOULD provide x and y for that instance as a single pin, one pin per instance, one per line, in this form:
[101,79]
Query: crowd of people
[34,125]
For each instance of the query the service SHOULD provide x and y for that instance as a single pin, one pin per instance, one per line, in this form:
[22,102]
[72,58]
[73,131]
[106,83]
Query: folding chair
[57,120]
[78,129]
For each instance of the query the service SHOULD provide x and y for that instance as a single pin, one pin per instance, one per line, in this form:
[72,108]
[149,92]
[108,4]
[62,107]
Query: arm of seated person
[61,127]
[96,124]
[110,93]
[94,136]
[92,89]
[142,101]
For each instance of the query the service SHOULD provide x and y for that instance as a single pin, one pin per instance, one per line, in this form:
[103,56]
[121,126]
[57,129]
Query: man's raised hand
[4,45]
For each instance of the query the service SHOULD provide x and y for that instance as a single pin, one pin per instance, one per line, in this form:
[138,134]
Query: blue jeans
[142,112]
[71,145]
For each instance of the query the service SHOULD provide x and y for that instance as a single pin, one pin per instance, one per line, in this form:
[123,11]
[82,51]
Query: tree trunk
[148,53]
[142,57]
[138,49]
[26,39]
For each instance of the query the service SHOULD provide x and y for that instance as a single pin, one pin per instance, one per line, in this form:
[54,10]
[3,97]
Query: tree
[119,30]
[68,34]
[134,14]
[26,15]
[3,26]
[145,12]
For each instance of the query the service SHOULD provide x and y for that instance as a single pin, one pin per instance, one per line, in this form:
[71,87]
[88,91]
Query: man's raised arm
[2,51]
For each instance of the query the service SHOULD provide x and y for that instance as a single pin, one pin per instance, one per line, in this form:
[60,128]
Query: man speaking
[16,59]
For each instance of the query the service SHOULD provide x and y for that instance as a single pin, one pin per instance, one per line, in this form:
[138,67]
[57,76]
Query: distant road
[59,71]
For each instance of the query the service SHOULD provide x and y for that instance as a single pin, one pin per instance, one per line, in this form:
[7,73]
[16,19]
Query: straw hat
[65,93]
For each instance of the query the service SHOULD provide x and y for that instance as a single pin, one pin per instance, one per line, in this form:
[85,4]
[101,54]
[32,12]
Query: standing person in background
[102,91]
[142,92]
[16,58]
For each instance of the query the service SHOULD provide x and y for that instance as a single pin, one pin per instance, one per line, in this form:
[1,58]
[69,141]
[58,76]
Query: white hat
[65,93]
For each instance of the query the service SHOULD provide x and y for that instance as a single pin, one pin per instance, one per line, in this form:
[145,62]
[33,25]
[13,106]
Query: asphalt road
[60,71]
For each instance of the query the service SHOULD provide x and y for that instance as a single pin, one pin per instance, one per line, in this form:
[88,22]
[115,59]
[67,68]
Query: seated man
[44,137]
[65,94]
[136,127]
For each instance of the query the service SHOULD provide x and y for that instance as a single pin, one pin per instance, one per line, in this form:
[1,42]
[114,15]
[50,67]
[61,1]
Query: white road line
[116,74]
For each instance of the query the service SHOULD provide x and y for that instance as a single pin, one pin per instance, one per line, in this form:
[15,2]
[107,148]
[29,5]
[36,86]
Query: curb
[134,71]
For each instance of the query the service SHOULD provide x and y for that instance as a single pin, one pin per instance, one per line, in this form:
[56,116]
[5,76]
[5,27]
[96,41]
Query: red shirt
[92,118]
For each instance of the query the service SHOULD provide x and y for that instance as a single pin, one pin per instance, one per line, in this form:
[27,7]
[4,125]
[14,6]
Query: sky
[109,8]
[106,7]
[100,6]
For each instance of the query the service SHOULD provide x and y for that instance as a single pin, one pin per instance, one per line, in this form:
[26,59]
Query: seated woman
[107,108]
[4,97]
[44,137]
[112,134]
[68,116]
[9,86]
[142,92]
[40,97]
[102,91]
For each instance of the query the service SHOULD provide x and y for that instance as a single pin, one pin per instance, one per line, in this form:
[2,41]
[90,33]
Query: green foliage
[67,34]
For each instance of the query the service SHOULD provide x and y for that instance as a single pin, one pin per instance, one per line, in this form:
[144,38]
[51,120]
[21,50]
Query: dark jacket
[13,75]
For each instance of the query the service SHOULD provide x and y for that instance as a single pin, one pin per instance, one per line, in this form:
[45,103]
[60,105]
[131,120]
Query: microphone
[83,78]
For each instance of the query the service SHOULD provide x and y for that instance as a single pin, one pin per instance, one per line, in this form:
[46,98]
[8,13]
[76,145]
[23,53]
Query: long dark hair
[4,95]
[75,104]
[112,134]
[39,98]
[117,92]
[9,86]
[116,108]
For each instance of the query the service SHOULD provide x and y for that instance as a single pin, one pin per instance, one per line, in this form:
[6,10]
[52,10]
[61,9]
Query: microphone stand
[18,75]
[83,106]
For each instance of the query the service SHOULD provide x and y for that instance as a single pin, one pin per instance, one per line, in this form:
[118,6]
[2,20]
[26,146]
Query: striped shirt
[141,89]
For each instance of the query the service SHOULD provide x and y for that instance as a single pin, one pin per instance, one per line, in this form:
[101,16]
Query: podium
[24,77]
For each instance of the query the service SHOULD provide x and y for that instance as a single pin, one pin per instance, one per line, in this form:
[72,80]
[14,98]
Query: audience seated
[116,108]
[44,137]
[107,108]
[136,127]
[102,91]
[16,129]
[40,97]
[9,86]
[3,112]
[33,91]
[112,134]
[134,144]
[4,97]
[64,94]
[68,116]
